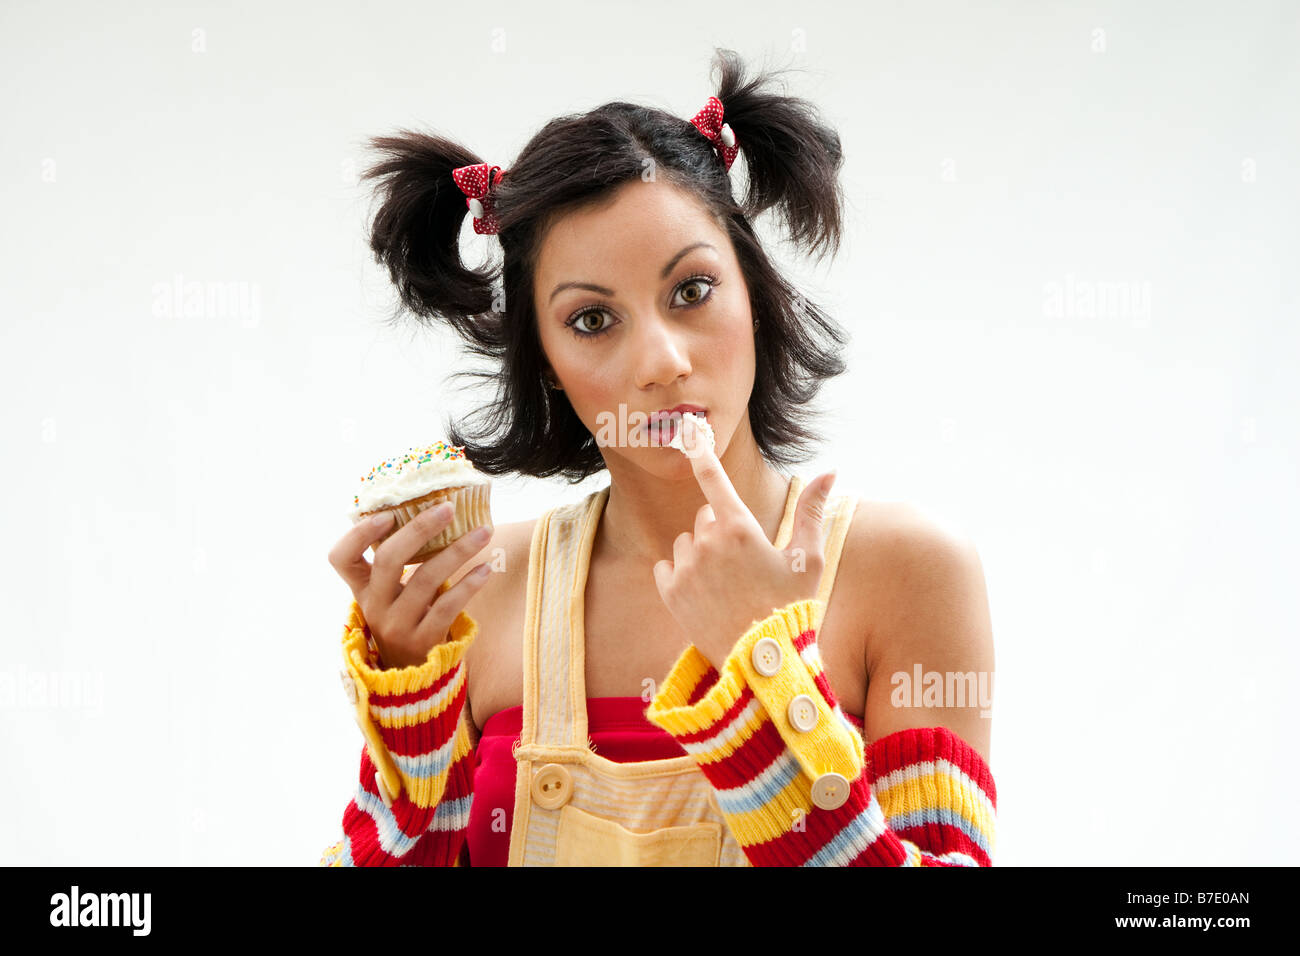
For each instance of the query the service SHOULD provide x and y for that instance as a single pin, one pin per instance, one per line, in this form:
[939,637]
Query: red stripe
[924,744]
[804,639]
[940,838]
[824,686]
[432,848]
[415,696]
[429,734]
[406,820]
[819,676]
[705,733]
[795,848]
[749,760]
[707,680]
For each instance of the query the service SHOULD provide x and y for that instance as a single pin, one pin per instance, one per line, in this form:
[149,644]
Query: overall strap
[554,706]
[836,519]
[835,528]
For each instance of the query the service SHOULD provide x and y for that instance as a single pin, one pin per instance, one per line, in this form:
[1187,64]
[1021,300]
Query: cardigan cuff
[785,764]
[936,789]
[774,666]
[409,716]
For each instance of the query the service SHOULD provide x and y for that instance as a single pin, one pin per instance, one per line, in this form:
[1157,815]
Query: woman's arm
[932,625]
[412,803]
[920,795]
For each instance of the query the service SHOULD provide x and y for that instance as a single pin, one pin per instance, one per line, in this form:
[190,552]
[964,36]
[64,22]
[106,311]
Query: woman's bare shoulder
[890,549]
[927,579]
[882,528]
[506,553]
[494,662]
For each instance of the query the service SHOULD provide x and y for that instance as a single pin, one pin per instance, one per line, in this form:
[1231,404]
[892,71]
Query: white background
[174,482]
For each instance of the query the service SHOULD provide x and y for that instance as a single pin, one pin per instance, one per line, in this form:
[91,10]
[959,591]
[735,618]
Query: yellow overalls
[572,806]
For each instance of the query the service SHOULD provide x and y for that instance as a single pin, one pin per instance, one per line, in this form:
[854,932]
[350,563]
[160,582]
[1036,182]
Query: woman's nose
[660,353]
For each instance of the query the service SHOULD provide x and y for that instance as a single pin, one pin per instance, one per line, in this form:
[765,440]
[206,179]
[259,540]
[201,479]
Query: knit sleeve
[793,779]
[412,802]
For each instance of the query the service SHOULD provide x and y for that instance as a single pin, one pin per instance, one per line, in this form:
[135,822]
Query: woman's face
[641,307]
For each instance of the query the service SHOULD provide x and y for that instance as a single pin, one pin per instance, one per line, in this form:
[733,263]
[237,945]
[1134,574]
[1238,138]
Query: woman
[506,713]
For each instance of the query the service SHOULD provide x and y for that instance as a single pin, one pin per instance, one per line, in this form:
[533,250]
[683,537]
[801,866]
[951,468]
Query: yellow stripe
[776,817]
[938,791]
[405,680]
[669,709]
[428,716]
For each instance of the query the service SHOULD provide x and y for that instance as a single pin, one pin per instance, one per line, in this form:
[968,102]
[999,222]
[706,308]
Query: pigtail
[416,233]
[793,157]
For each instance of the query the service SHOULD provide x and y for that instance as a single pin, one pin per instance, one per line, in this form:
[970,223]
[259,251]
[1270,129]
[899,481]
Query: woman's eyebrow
[592,287]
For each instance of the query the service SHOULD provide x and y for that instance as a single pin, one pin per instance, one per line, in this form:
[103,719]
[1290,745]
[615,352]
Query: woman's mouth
[663,432]
[663,426]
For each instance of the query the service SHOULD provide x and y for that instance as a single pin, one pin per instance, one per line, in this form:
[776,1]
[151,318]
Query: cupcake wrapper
[472,511]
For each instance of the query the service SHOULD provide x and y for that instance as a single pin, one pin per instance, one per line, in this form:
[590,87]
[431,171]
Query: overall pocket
[584,839]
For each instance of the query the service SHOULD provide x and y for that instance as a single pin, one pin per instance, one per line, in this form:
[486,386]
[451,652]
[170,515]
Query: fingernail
[830,481]
[381,519]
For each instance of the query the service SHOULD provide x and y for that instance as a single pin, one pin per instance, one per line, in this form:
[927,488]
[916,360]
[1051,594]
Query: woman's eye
[696,289]
[589,323]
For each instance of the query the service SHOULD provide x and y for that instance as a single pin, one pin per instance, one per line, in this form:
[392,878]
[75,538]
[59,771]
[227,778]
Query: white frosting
[403,482]
[703,432]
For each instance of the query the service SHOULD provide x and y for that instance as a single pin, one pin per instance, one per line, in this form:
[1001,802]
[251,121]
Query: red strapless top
[619,731]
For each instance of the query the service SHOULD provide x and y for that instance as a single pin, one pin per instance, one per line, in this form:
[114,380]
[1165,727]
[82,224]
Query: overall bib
[572,806]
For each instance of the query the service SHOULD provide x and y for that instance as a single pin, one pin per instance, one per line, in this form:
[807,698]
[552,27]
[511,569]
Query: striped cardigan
[918,797]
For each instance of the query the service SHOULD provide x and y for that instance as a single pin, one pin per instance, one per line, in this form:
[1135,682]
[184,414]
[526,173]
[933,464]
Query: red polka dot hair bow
[476,183]
[709,122]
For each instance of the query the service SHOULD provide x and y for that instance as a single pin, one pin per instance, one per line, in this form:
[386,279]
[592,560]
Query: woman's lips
[674,414]
[661,429]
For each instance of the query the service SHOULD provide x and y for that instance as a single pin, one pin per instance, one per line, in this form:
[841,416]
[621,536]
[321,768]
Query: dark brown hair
[792,159]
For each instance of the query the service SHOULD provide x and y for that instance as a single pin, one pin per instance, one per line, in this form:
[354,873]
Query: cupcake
[425,477]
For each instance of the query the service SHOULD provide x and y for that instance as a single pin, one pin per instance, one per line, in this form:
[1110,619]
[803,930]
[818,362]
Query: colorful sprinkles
[414,457]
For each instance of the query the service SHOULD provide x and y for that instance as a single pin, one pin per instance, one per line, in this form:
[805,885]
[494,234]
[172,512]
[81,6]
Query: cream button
[802,713]
[384,795]
[552,786]
[830,790]
[349,686]
[766,657]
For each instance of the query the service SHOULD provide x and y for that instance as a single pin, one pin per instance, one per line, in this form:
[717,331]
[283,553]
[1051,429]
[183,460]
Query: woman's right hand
[404,619]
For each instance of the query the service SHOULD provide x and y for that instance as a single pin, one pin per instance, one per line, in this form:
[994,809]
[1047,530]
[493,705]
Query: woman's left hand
[727,575]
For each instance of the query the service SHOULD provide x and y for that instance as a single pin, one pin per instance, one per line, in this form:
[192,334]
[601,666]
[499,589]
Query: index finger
[348,556]
[715,484]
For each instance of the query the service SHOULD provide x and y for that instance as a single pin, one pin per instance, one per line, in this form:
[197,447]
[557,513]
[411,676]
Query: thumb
[809,513]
